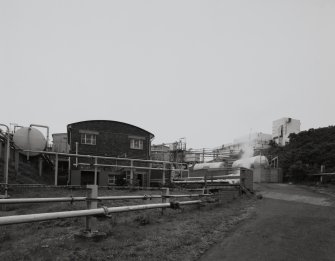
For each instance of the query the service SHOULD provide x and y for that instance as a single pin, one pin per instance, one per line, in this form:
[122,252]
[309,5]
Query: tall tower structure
[282,128]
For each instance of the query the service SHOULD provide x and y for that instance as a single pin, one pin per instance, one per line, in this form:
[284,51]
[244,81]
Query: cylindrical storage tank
[209,165]
[28,138]
[242,163]
[259,161]
[253,162]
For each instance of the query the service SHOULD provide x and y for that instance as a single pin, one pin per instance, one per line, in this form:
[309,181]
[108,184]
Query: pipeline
[10,220]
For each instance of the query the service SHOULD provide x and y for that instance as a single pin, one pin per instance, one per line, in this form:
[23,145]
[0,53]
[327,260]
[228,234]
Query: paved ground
[290,223]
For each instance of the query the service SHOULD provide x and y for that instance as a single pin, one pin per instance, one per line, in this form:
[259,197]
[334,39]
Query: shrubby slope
[306,152]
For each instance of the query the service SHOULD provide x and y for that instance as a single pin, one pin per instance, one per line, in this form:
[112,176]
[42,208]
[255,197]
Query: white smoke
[247,151]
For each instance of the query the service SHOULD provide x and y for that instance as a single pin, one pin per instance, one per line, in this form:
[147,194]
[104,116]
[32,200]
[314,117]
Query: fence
[92,200]
[92,162]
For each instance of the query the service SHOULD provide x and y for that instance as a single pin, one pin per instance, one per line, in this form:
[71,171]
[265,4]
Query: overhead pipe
[17,126]
[42,126]
[101,157]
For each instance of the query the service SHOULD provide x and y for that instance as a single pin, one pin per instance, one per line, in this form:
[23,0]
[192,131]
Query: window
[89,139]
[111,179]
[136,144]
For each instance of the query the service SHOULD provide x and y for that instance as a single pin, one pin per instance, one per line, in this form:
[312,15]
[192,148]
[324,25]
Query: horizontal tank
[28,138]
[209,165]
[253,162]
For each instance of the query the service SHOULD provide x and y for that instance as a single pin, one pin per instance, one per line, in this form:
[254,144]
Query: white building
[282,128]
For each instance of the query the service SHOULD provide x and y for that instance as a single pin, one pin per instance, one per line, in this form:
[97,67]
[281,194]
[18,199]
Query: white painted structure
[282,128]
[60,143]
[253,162]
[209,165]
[29,138]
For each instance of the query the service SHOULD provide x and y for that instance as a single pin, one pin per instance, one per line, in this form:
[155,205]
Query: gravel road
[290,223]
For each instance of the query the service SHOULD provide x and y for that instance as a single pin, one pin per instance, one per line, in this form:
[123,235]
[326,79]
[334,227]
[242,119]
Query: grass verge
[182,234]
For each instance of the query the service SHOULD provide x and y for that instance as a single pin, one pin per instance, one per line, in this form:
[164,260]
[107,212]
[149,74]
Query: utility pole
[6,159]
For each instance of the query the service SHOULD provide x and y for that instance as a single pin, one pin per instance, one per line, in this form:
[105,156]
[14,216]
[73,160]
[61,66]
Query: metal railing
[92,199]
[130,164]
[10,220]
[74,199]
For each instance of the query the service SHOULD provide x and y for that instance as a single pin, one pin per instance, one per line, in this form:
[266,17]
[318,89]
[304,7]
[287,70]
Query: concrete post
[92,194]
[165,198]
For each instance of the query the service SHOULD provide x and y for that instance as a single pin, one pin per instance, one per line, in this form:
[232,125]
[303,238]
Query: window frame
[111,179]
[136,144]
[92,140]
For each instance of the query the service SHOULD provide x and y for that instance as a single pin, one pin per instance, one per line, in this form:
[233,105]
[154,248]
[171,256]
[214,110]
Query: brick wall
[112,140]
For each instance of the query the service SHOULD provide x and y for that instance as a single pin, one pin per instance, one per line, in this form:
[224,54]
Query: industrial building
[60,143]
[109,139]
[262,172]
[160,152]
[282,128]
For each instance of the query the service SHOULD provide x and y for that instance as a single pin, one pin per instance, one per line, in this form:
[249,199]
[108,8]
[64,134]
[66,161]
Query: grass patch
[149,235]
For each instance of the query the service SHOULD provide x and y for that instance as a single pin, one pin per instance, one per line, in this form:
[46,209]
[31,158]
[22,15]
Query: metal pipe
[121,166]
[131,172]
[9,220]
[95,171]
[201,181]
[56,170]
[40,200]
[215,177]
[73,199]
[17,126]
[42,126]
[101,157]
[126,166]
[7,159]
[68,171]
[76,165]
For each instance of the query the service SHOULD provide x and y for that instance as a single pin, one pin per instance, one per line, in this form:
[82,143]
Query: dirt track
[290,223]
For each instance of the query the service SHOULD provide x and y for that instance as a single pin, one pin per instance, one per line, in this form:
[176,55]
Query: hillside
[306,152]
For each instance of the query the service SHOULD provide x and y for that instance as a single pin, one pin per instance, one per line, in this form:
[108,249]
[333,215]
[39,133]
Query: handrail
[101,157]
[73,199]
[10,220]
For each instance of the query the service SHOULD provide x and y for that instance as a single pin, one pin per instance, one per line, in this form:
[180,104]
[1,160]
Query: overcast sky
[210,71]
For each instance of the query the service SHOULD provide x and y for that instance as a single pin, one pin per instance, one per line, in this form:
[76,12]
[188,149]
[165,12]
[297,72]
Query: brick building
[109,139]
